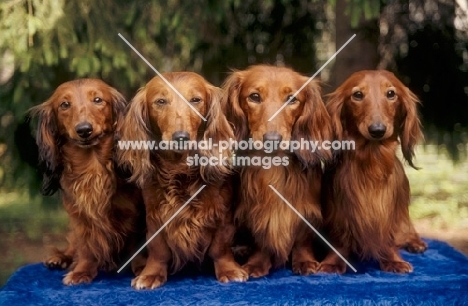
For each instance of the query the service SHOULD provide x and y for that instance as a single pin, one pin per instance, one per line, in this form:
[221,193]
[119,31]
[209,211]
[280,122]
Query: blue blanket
[440,278]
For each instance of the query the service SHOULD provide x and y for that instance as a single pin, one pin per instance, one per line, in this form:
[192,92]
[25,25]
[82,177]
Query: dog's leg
[333,263]
[138,264]
[392,262]
[154,274]
[60,259]
[259,264]
[303,258]
[85,271]
[408,238]
[226,268]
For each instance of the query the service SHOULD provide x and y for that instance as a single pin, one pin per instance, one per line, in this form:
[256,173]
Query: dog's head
[375,105]
[261,102]
[79,112]
[187,110]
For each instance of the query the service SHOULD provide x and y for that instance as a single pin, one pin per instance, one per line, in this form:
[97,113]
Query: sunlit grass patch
[439,190]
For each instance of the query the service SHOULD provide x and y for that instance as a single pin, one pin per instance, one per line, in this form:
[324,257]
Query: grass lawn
[27,226]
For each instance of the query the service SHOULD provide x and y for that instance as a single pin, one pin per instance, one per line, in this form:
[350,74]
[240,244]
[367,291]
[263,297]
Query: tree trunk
[362,52]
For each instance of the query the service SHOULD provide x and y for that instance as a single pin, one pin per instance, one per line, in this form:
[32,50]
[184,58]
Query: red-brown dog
[205,226]
[366,191]
[251,97]
[76,145]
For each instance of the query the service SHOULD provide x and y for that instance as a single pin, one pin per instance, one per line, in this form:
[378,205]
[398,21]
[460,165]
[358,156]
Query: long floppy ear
[47,139]
[133,153]
[410,127]
[334,107]
[119,104]
[219,132]
[312,126]
[231,105]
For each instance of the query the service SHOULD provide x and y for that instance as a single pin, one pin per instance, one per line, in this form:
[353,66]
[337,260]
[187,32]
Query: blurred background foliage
[46,42]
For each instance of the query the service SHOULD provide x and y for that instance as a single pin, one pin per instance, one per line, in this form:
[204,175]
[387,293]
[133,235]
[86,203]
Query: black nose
[84,129]
[272,136]
[377,130]
[181,136]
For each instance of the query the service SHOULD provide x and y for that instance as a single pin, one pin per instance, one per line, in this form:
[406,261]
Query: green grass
[24,222]
[439,189]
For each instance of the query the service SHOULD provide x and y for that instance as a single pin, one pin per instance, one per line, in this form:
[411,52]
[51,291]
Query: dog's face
[263,93]
[253,96]
[79,112]
[170,116]
[375,105]
[372,101]
[158,113]
[83,110]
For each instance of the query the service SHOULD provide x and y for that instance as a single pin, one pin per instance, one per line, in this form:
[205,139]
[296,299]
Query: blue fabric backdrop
[440,278]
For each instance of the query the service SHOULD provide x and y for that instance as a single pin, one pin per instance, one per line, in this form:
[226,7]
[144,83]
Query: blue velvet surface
[440,278]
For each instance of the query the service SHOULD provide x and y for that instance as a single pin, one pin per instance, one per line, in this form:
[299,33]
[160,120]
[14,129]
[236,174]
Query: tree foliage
[47,42]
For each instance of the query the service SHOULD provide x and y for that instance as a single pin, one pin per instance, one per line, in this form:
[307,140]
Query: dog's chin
[180,152]
[87,143]
[372,139]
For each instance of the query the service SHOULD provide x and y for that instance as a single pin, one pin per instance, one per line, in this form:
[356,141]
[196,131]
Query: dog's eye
[97,100]
[161,102]
[65,105]
[195,100]
[358,95]
[391,94]
[255,97]
[292,99]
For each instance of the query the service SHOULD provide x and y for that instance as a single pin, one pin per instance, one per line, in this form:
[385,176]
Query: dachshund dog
[168,180]
[75,137]
[366,191]
[250,98]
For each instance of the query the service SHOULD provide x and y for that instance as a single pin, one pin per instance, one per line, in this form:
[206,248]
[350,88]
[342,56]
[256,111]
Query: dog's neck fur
[273,223]
[365,185]
[88,176]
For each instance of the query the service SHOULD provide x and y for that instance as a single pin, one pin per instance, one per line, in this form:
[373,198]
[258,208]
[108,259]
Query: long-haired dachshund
[75,137]
[366,190]
[251,97]
[168,180]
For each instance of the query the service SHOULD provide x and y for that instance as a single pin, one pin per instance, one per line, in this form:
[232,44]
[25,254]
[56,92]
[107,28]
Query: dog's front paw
[256,269]
[416,246]
[149,281]
[58,261]
[76,278]
[232,273]
[305,267]
[396,266]
[339,268]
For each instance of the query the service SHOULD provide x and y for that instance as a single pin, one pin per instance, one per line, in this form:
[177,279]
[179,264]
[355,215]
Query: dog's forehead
[282,80]
[371,80]
[79,90]
[186,84]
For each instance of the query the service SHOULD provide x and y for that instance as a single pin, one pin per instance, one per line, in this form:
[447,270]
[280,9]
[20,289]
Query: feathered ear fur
[231,106]
[410,125]
[47,139]
[217,130]
[119,104]
[313,125]
[133,129]
[334,108]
